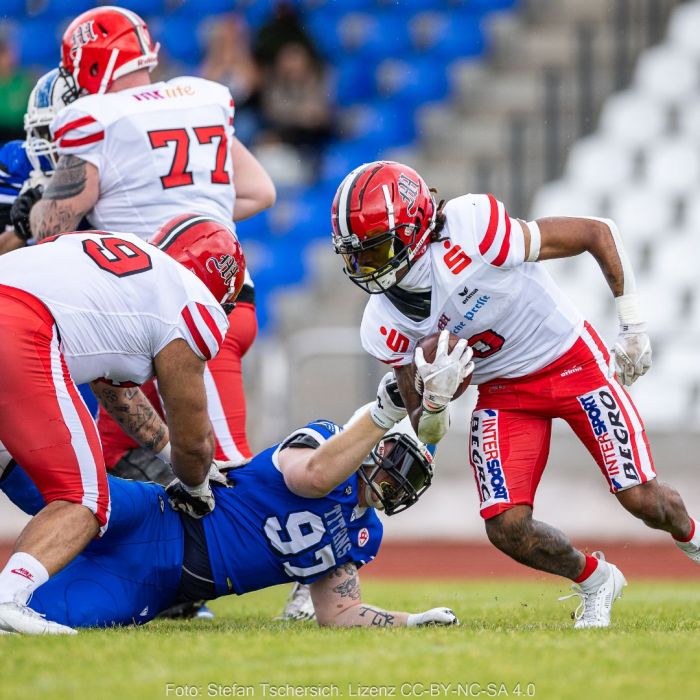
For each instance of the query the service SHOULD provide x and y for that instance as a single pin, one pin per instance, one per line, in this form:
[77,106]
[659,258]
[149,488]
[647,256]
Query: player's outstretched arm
[338,603]
[71,193]
[314,473]
[255,190]
[135,414]
[560,237]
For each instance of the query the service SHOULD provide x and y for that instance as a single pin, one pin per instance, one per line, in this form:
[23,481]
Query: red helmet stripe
[183,226]
[135,21]
[346,191]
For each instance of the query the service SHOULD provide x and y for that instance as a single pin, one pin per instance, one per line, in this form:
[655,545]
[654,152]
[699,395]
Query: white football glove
[441,378]
[388,408]
[631,356]
[435,616]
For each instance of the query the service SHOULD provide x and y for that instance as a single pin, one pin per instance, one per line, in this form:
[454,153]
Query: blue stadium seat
[179,39]
[13,9]
[354,81]
[420,80]
[61,9]
[39,43]
[340,158]
[448,35]
[322,26]
[202,8]
[338,6]
[408,7]
[487,5]
[378,34]
[384,123]
[144,8]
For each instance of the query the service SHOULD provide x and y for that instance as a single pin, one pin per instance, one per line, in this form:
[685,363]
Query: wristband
[164,454]
[535,241]
[380,418]
[197,491]
[628,311]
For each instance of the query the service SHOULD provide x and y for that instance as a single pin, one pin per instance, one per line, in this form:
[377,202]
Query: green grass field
[512,633]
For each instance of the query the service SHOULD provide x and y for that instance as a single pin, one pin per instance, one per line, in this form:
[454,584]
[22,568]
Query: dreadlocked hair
[440,219]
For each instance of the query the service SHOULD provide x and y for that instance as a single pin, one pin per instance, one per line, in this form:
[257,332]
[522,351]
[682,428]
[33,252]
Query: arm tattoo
[379,618]
[350,587]
[68,180]
[58,214]
[136,415]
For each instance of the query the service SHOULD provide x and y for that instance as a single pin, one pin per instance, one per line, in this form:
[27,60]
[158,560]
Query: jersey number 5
[179,175]
[301,532]
[117,256]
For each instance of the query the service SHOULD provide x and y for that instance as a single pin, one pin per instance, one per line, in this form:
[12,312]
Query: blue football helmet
[50,94]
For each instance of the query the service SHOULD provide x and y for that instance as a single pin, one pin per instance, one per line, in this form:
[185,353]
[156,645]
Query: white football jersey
[161,150]
[515,317]
[117,301]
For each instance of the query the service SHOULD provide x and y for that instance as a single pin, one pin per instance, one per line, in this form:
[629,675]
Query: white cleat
[299,606]
[23,620]
[595,606]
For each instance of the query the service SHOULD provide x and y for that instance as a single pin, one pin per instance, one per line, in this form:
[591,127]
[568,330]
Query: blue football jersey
[14,170]
[261,534]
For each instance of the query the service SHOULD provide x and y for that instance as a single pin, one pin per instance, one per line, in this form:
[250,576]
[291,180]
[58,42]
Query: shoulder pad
[300,440]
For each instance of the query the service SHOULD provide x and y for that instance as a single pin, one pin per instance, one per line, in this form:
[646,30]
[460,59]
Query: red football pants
[223,379]
[44,423]
[512,424]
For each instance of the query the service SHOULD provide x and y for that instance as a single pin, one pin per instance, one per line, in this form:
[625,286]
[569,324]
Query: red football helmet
[104,44]
[383,214]
[208,248]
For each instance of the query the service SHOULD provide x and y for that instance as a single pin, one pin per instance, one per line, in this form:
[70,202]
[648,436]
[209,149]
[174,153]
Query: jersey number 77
[179,175]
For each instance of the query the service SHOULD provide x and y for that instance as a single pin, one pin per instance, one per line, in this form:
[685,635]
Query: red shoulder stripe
[83,141]
[196,335]
[75,124]
[211,323]
[505,246]
[492,227]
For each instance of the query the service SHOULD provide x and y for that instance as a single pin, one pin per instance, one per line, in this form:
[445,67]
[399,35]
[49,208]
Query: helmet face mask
[383,214]
[51,93]
[397,472]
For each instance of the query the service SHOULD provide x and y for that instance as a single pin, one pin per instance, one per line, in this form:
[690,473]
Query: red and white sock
[692,542]
[22,575]
[595,571]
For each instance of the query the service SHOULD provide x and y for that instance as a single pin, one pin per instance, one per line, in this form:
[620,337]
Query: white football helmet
[50,94]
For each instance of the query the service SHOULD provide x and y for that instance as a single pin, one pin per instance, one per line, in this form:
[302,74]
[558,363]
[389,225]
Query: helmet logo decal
[226,266]
[408,191]
[84,33]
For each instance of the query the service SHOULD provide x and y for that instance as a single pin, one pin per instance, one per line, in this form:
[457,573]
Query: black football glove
[198,501]
[21,208]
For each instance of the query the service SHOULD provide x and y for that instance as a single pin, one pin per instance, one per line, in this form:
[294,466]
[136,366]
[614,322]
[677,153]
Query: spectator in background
[295,101]
[229,61]
[15,86]
[284,27]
